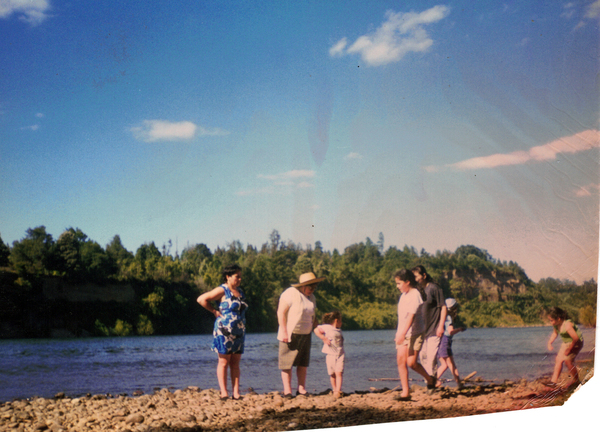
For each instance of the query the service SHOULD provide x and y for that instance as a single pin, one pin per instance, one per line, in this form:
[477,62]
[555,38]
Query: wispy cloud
[33,12]
[579,142]
[587,190]
[32,127]
[282,183]
[338,49]
[353,155]
[399,35]
[592,12]
[163,130]
[288,175]
[568,10]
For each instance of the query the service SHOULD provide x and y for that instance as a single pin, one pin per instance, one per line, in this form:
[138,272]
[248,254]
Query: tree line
[358,282]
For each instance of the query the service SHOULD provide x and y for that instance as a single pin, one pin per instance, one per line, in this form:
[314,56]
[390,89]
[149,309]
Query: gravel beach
[194,409]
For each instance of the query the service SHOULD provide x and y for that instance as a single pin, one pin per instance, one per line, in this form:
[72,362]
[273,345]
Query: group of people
[426,325]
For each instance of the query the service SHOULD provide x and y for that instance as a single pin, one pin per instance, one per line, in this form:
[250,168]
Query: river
[44,367]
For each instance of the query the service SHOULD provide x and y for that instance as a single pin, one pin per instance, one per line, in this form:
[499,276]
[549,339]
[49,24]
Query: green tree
[587,316]
[146,258]
[118,255]
[144,326]
[4,254]
[154,301]
[68,248]
[122,328]
[34,254]
[101,329]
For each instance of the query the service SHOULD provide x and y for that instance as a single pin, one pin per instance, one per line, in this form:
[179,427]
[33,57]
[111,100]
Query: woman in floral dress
[230,327]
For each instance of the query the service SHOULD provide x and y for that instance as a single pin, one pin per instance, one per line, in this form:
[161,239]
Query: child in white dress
[333,345]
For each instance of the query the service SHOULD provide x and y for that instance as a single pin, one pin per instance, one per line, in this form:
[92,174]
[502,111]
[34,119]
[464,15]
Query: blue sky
[437,124]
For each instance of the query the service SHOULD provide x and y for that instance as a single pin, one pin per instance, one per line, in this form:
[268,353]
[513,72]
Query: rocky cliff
[485,285]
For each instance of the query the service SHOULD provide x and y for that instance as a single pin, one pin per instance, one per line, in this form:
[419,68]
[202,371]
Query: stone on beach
[193,409]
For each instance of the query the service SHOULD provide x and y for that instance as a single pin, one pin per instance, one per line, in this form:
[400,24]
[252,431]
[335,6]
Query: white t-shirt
[411,303]
[335,336]
[301,312]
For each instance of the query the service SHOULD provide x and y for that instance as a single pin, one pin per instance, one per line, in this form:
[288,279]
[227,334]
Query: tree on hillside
[68,250]
[34,254]
[81,258]
[4,254]
[274,239]
[193,257]
[118,255]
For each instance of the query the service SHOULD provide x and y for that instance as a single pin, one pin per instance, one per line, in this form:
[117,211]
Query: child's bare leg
[333,383]
[339,376]
[401,359]
[573,372]
[454,370]
[442,368]
[557,369]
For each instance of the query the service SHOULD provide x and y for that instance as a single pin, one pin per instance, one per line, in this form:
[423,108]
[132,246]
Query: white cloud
[294,174]
[32,12]
[353,155]
[32,127]
[338,48]
[592,12]
[579,142]
[568,11]
[400,34]
[587,190]
[261,191]
[282,183]
[39,115]
[163,130]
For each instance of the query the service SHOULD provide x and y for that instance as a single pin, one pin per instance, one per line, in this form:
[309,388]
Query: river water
[44,367]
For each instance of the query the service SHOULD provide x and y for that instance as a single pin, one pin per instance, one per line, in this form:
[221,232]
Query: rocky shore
[195,409]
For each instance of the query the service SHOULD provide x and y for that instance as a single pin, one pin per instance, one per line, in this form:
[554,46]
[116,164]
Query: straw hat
[308,279]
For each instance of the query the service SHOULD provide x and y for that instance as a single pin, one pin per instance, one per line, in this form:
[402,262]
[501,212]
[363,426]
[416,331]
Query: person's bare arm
[210,296]
[282,311]
[440,329]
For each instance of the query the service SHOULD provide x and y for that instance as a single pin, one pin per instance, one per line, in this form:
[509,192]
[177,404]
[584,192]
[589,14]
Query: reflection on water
[44,367]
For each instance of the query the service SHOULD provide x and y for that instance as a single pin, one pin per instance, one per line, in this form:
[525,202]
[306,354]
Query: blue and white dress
[230,328]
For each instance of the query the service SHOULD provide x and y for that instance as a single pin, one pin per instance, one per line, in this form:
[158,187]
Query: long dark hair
[421,270]
[406,276]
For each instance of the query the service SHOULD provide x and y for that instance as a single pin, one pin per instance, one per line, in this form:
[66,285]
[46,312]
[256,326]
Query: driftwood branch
[465,379]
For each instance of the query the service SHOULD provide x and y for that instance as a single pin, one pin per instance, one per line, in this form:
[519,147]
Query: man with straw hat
[296,317]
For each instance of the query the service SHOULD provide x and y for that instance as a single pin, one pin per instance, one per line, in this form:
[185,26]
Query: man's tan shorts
[413,342]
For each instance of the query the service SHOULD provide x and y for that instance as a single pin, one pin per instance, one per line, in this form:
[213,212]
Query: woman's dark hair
[330,317]
[557,313]
[406,276]
[230,270]
[421,270]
